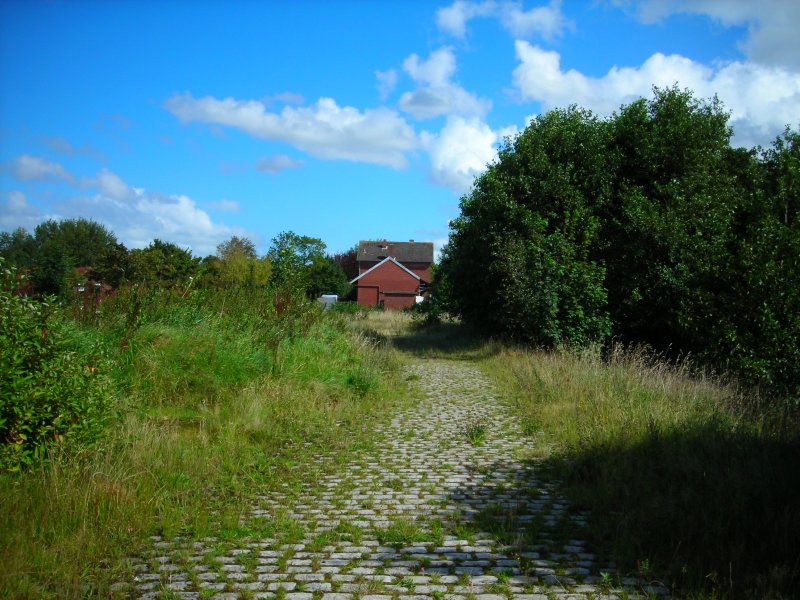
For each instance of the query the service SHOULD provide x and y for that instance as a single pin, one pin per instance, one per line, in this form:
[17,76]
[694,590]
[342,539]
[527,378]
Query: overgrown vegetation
[682,473]
[646,227]
[164,410]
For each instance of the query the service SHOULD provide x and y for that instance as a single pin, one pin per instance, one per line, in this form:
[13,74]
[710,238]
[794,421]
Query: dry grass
[680,472]
[199,436]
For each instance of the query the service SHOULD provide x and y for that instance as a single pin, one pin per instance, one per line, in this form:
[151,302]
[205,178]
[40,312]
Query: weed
[475,431]
[650,446]
[201,423]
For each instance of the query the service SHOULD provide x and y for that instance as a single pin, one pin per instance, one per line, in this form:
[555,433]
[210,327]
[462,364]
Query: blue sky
[195,121]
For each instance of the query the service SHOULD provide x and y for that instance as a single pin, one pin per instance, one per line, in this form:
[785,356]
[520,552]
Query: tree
[326,276]
[292,255]
[163,262]
[665,230]
[349,262]
[647,221]
[518,259]
[57,247]
[18,248]
[239,266]
[236,246]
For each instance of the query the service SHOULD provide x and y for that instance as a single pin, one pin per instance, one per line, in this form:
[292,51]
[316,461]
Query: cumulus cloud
[289,98]
[459,152]
[771,24]
[761,99]
[277,163]
[109,184]
[453,19]
[32,168]
[546,21]
[387,81]
[135,215]
[18,212]
[436,93]
[324,129]
[226,206]
[63,146]
[139,216]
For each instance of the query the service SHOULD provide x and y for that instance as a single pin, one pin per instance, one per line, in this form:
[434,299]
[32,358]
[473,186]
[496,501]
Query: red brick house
[393,274]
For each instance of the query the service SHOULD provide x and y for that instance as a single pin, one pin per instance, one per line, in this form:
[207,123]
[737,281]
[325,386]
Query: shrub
[49,392]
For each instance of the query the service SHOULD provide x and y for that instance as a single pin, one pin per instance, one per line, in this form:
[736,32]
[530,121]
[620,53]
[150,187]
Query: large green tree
[648,225]
[57,247]
[163,262]
[239,266]
[518,260]
[292,257]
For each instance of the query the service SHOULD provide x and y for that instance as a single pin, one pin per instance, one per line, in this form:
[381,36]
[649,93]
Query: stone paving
[446,509]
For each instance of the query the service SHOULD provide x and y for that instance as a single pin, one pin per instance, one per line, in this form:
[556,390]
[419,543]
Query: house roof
[418,252]
[384,261]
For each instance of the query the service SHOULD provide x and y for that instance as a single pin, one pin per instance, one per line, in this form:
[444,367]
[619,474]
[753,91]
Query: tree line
[60,256]
[644,227]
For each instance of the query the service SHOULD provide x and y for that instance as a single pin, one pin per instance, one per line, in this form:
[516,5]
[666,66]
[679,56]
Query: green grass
[218,399]
[475,431]
[680,472]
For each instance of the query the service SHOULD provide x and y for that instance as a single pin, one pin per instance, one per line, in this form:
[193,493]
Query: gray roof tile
[403,251]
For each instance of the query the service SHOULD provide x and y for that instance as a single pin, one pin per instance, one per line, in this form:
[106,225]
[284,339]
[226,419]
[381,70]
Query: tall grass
[218,398]
[688,480]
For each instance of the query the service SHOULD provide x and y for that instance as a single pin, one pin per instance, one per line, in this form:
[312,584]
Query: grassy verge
[687,481]
[217,398]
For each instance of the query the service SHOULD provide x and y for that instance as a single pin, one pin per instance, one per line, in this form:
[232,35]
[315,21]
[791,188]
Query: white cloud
[17,212]
[546,21]
[63,146]
[437,94]
[771,24]
[761,99]
[436,71]
[109,184]
[453,19]
[289,98]
[277,163]
[146,216]
[324,129]
[226,206]
[135,215]
[459,152]
[387,81]
[32,168]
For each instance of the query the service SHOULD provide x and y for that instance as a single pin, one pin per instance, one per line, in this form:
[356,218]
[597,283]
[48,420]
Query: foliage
[518,261]
[238,264]
[291,255]
[162,262]
[647,226]
[349,262]
[50,394]
[326,276]
[300,265]
[18,248]
[646,448]
[206,418]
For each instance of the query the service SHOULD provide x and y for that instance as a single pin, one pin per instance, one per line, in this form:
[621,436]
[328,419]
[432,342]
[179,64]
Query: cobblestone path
[446,509]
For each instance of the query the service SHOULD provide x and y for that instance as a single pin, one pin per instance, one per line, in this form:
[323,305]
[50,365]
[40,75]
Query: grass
[211,411]
[475,431]
[687,479]
[680,472]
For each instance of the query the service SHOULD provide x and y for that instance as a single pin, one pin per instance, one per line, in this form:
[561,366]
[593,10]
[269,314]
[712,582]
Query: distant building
[393,274]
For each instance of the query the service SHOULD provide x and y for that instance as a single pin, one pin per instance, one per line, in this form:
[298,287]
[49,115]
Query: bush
[50,394]
[647,227]
[518,260]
